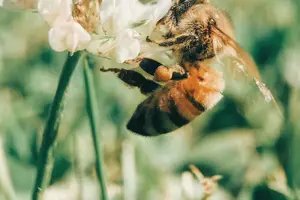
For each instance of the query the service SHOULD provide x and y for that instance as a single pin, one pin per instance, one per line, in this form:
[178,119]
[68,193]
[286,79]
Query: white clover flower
[127,23]
[65,32]
[68,36]
[55,12]
[127,46]
[116,29]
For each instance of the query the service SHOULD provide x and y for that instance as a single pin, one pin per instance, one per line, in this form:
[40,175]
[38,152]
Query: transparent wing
[243,62]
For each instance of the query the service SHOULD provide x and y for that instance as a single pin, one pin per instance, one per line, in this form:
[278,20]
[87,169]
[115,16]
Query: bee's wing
[244,63]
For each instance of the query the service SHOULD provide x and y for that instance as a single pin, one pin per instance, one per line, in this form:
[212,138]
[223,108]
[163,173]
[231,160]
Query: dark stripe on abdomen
[162,122]
[195,103]
[175,115]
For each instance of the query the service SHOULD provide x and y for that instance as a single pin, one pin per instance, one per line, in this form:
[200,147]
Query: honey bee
[197,32]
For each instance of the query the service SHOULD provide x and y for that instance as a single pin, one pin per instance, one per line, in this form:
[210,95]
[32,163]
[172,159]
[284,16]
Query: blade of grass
[45,158]
[92,110]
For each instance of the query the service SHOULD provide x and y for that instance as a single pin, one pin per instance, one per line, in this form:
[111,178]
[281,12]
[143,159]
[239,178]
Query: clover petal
[126,23]
[56,38]
[69,36]
[128,46]
[55,11]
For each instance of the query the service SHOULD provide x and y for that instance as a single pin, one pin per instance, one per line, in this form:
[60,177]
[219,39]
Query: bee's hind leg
[134,79]
[160,72]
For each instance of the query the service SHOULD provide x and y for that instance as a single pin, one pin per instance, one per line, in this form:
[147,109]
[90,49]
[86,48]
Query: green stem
[45,159]
[92,109]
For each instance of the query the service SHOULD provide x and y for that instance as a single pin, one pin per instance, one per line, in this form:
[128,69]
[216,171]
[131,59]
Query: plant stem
[92,110]
[45,159]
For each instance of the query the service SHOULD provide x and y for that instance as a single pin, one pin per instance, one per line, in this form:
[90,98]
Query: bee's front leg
[164,43]
[172,41]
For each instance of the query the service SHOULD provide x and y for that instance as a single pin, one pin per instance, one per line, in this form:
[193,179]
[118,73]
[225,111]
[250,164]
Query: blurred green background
[242,138]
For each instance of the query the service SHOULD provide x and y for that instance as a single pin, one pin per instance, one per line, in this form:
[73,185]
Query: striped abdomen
[173,106]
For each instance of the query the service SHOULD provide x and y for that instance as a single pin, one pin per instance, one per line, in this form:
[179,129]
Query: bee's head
[207,16]
[201,20]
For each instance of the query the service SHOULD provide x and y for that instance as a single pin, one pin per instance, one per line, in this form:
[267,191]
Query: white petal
[72,41]
[116,15]
[128,47]
[83,36]
[119,19]
[161,8]
[69,35]
[106,9]
[122,17]
[102,47]
[48,9]
[142,12]
[157,12]
[57,38]
[55,11]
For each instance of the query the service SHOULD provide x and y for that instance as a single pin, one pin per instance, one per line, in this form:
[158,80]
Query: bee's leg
[160,72]
[135,79]
[180,39]
[164,74]
[149,65]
